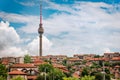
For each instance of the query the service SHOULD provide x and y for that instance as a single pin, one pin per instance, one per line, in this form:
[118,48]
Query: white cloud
[31,22]
[8,35]
[13,51]
[8,41]
[17,18]
[27,3]
[90,29]
[107,50]
[33,46]
[62,7]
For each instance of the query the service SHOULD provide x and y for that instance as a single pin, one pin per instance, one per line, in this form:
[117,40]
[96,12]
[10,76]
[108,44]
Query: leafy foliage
[18,78]
[107,77]
[98,76]
[47,68]
[107,64]
[64,62]
[70,78]
[2,78]
[116,63]
[107,71]
[3,71]
[95,65]
[97,56]
[58,74]
[47,71]
[88,78]
[27,59]
[84,72]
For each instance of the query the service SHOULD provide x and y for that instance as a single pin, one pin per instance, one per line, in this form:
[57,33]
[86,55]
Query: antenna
[40,11]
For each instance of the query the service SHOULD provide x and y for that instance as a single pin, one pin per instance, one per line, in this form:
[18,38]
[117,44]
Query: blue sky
[71,27]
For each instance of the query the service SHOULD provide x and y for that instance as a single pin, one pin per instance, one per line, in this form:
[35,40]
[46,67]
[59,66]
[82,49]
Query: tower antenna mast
[40,11]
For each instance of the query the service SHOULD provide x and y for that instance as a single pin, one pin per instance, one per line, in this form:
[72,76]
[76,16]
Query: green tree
[116,63]
[2,78]
[100,63]
[95,65]
[70,78]
[49,61]
[69,67]
[64,62]
[27,59]
[40,77]
[84,72]
[47,68]
[97,56]
[107,71]
[84,62]
[107,64]
[50,73]
[3,71]
[88,77]
[93,73]
[18,78]
[98,76]
[58,74]
[107,77]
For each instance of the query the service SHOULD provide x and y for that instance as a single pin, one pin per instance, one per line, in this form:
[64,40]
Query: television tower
[40,30]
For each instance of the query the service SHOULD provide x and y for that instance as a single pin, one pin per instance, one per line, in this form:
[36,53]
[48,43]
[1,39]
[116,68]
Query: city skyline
[71,27]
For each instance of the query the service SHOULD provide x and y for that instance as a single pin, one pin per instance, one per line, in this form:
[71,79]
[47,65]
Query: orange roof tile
[31,77]
[37,61]
[23,66]
[16,72]
[75,75]
[74,59]
[5,62]
[98,59]
[37,64]
[117,66]
[116,58]
[64,70]
[58,66]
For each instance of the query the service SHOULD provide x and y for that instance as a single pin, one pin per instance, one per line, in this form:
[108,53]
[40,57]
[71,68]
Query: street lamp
[45,73]
[103,72]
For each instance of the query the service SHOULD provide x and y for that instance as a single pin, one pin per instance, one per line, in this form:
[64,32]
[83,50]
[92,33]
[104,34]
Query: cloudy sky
[71,27]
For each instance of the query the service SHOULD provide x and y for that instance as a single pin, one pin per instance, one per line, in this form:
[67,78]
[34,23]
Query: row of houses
[17,66]
[113,57]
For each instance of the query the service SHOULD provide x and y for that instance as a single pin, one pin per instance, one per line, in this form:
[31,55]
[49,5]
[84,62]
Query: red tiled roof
[17,73]
[37,64]
[31,77]
[58,66]
[23,66]
[99,59]
[64,70]
[5,62]
[37,61]
[109,53]
[74,59]
[117,66]
[116,58]
[75,75]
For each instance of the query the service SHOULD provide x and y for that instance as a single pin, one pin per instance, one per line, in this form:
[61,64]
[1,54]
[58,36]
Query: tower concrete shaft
[40,31]
[40,50]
